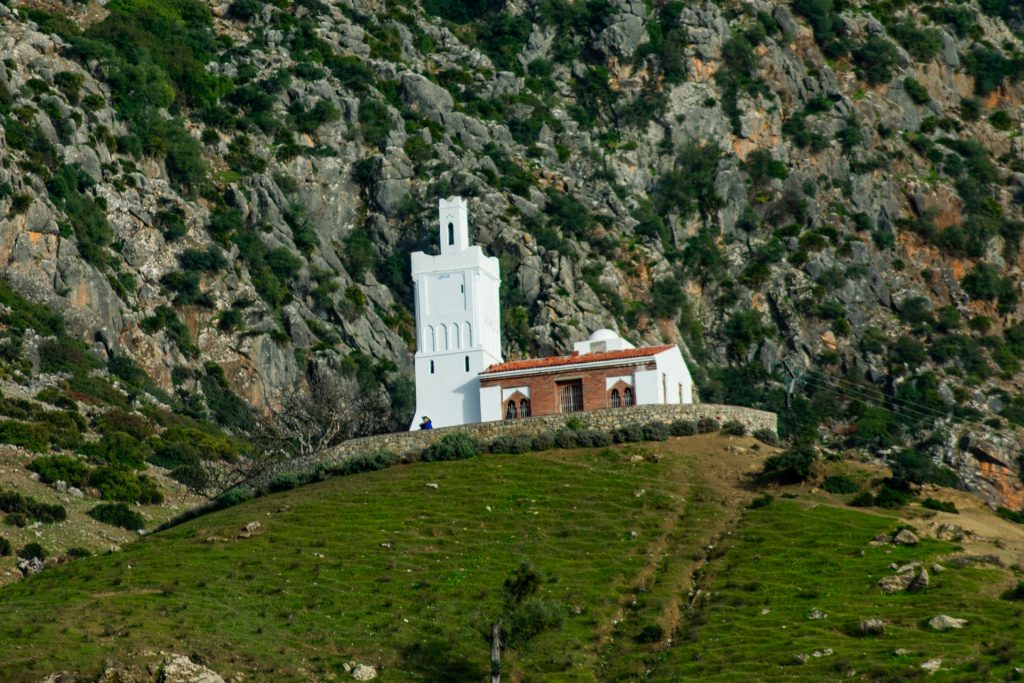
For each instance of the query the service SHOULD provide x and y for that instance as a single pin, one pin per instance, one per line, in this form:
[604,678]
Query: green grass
[382,569]
[315,587]
[791,558]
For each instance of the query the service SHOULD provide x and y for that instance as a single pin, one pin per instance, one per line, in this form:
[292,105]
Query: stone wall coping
[604,419]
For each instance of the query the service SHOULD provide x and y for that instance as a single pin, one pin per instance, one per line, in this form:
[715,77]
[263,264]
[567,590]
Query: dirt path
[708,473]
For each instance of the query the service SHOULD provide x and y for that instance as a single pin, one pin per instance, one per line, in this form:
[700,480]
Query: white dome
[604,334]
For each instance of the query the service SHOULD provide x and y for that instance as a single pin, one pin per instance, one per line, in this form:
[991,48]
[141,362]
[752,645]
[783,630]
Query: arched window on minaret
[510,412]
[467,336]
[429,342]
[442,343]
[451,233]
[455,336]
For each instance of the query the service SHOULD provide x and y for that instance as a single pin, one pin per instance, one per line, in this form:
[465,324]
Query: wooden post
[496,652]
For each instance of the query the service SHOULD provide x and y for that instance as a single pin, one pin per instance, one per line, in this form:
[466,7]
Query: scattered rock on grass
[932,665]
[432,485]
[905,537]
[895,583]
[364,672]
[919,582]
[872,627]
[817,614]
[181,669]
[944,622]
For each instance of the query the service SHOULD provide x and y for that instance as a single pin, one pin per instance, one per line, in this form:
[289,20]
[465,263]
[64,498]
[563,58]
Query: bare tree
[331,408]
[310,419]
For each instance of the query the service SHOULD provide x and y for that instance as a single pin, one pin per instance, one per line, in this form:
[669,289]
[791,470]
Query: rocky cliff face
[825,195]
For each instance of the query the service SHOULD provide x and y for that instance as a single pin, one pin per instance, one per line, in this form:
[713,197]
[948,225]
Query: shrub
[707,425]
[117,449]
[368,462]
[503,444]
[840,483]
[629,433]
[1010,515]
[566,438]
[656,431]
[734,428]
[543,441]
[118,483]
[34,437]
[118,514]
[133,424]
[940,505]
[876,59]
[914,467]
[77,553]
[32,551]
[455,446]
[766,436]
[790,467]
[864,499]
[917,92]
[761,501]
[16,504]
[66,468]
[1015,593]
[652,633]
[888,497]
[531,617]
[283,482]
[594,438]
[5,547]
[683,428]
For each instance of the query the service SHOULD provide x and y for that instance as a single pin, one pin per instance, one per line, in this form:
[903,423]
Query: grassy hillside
[386,569]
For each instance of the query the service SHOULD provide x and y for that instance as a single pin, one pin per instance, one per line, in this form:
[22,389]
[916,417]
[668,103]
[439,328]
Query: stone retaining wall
[606,420]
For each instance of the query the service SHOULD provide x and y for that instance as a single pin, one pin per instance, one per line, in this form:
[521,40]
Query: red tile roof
[575,359]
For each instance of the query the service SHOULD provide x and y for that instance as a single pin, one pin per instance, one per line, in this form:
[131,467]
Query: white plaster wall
[647,385]
[672,364]
[490,404]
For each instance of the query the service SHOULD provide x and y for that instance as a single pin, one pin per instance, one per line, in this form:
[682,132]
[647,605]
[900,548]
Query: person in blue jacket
[426,424]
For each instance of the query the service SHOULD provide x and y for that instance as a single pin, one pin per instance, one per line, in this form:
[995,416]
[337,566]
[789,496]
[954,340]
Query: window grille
[616,399]
[570,396]
[627,396]
[510,412]
[524,408]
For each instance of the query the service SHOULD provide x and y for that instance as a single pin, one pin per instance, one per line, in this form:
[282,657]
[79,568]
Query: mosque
[461,377]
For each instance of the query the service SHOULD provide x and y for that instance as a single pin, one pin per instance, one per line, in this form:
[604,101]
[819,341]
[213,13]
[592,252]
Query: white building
[460,375]
[458,315]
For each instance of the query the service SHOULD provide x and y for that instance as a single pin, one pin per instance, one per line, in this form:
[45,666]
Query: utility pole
[790,385]
[496,652]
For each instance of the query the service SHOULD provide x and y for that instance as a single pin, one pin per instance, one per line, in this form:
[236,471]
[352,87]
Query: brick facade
[544,387]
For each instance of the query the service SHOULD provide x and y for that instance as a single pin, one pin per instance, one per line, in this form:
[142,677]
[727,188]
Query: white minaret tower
[458,334]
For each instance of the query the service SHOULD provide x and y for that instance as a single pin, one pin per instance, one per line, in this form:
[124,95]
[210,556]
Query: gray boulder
[905,537]
[944,622]
[872,627]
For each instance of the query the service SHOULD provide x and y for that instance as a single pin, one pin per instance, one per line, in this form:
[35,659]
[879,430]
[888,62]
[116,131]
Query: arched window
[524,408]
[455,336]
[510,412]
[451,233]
[616,399]
[627,397]
[467,334]
[429,342]
[442,343]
